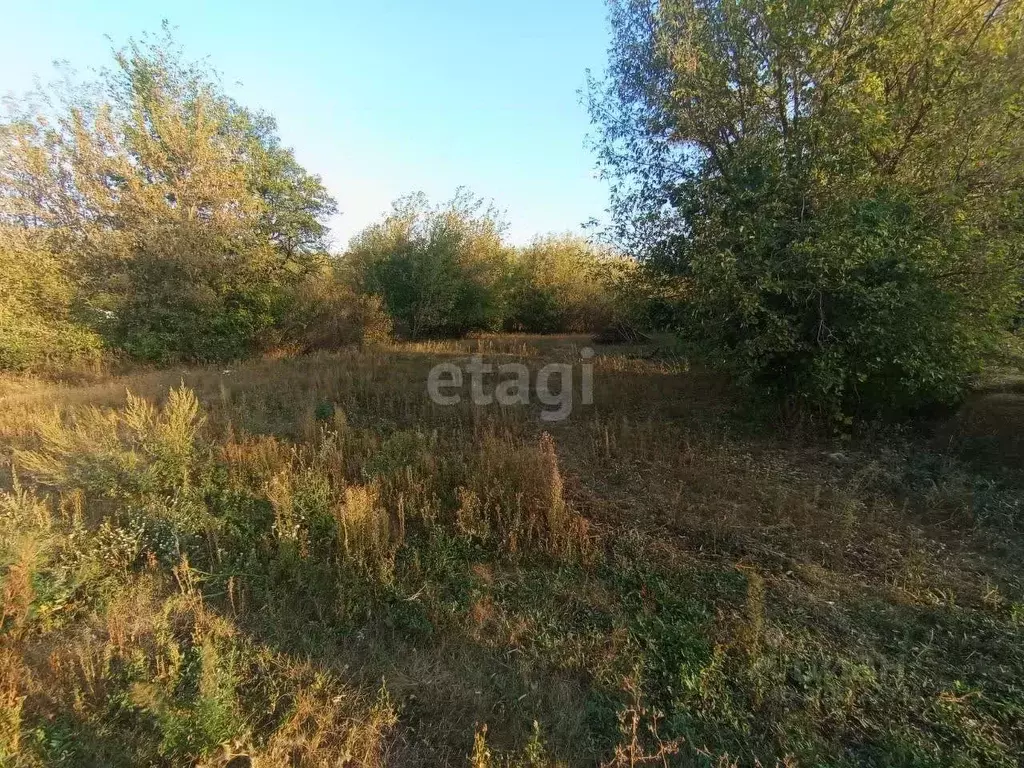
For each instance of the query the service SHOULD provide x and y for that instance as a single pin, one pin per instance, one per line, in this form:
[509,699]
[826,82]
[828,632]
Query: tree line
[824,198]
[147,215]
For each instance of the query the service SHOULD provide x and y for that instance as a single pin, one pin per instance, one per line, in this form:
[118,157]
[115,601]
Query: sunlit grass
[307,562]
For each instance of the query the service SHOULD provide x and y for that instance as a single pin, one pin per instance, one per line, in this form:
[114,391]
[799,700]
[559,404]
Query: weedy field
[306,562]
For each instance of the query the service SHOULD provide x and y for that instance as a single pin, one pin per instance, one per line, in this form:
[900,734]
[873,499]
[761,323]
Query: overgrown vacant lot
[306,562]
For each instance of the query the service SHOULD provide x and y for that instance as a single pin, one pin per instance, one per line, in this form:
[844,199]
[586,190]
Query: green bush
[859,313]
[40,328]
[322,311]
[560,284]
[444,271]
[437,270]
[186,298]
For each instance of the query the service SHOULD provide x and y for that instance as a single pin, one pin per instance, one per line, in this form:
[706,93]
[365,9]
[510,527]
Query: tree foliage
[445,271]
[185,224]
[839,181]
[437,269]
[562,284]
[40,324]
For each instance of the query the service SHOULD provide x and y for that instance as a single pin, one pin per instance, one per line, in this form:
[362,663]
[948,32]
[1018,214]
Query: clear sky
[380,97]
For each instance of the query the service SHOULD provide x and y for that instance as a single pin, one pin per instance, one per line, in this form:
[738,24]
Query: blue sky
[380,97]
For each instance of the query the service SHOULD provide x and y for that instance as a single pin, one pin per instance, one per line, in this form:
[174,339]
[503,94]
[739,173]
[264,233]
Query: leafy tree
[838,181]
[186,225]
[296,205]
[437,269]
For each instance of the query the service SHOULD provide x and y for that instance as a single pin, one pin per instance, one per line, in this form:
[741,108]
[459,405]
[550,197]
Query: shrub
[642,300]
[40,325]
[323,312]
[150,462]
[437,270]
[191,301]
[864,312]
[561,284]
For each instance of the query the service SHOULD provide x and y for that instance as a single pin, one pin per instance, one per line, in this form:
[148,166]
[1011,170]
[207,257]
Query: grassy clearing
[305,562]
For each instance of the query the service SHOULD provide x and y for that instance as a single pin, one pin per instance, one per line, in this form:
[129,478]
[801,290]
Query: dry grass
[306,562]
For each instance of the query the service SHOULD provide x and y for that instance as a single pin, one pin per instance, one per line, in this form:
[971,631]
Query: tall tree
[174,208]
[839,180]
